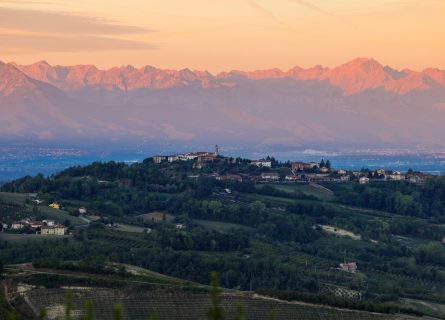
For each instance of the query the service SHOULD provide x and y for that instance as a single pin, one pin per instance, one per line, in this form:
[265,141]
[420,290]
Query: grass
[129,228]
[14,198]
[220,226]
[277,200]
[17,238]
[156,217]
[304,188]
[411,242]
[60,216]
[429,308]
[151,276]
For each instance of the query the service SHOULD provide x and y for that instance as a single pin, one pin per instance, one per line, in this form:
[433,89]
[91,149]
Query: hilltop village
[290,171]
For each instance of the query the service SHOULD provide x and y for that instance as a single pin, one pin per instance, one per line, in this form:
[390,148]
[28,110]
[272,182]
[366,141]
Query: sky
[219,35]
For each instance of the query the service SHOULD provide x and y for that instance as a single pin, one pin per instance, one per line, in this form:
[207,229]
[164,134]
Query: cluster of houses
[299,171]
[201,158]
[44,227]
[390,175]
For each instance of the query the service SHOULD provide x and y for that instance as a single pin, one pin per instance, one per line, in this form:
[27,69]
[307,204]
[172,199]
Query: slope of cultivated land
[60,215]
[305,188]
[435,309]
[14,198]
[173,304]
[134,275]
[19,199]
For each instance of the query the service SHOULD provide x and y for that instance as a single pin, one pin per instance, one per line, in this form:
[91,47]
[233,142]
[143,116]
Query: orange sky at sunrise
[221,35]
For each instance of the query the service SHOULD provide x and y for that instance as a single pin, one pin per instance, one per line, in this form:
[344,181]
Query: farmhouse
[350,267]
[59,230]
[83,210]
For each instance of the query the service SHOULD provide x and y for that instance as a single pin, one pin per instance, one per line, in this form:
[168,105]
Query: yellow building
[55,205]
[56,230]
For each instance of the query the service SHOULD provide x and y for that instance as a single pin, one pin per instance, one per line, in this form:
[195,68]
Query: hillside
[166,300]
[174,304]
[370,247]
[294,108]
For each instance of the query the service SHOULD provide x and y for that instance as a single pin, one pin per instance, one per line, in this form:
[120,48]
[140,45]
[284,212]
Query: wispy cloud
[60,22]
[24,31]
[313,7]
[20,2]
[22,44]
[266,13]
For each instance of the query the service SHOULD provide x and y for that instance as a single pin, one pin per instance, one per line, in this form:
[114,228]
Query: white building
[262,163]
[49,223]
[395,176]
[364,180]
[17,225]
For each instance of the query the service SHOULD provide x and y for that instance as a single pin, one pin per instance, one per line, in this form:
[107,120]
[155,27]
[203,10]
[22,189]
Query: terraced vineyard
[183,305]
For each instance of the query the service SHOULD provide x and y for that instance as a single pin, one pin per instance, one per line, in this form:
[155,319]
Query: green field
[304,188]
[434,309]
[19,238]
[14,198]
[60,215]
[220,226]
[129,228]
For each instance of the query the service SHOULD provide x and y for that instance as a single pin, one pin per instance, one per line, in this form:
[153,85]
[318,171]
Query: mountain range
[360,103]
